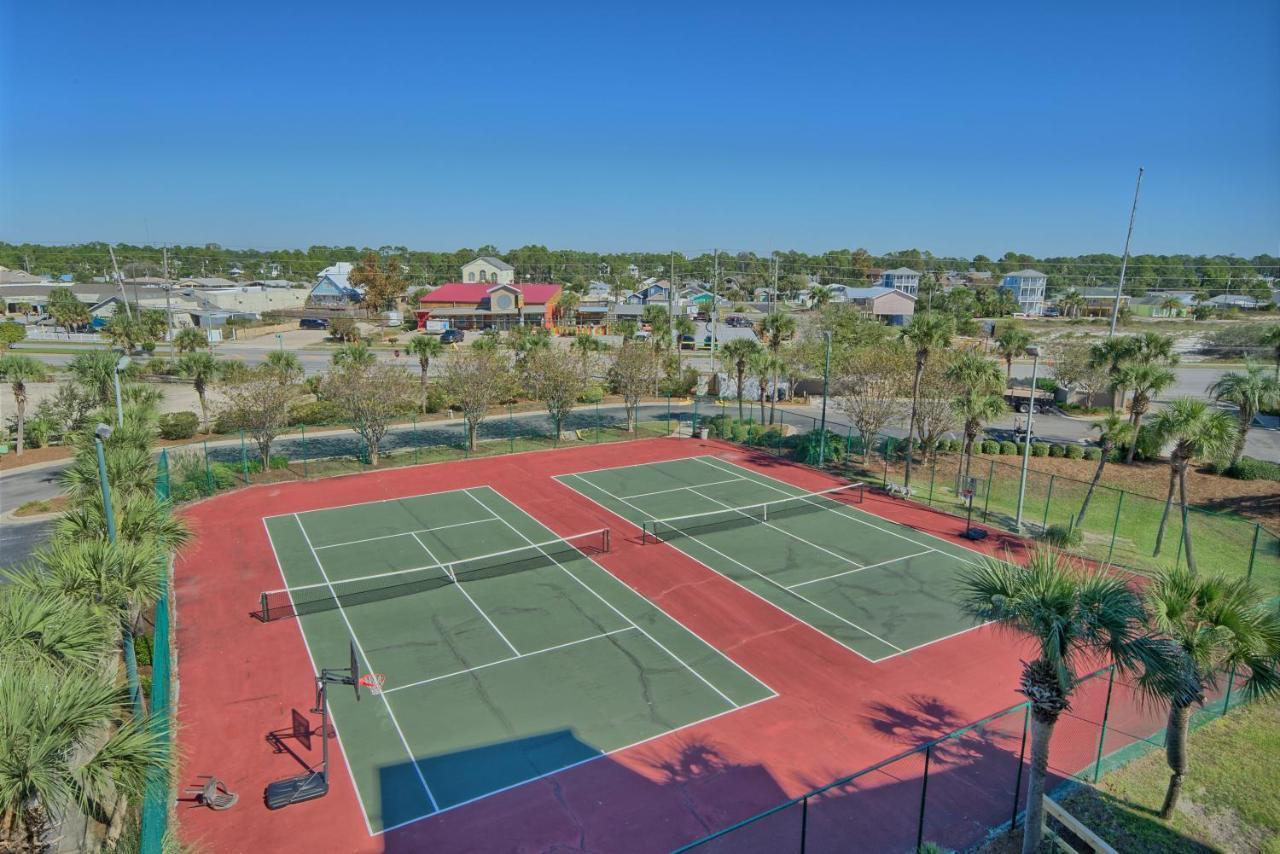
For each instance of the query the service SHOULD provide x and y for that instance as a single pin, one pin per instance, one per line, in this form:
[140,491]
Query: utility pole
[715,298]
[168,305]
[773,306]
[671,304]
[120,282]
[1124,262]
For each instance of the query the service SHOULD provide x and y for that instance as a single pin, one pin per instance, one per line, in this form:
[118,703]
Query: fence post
[924,794]
[933,474]
[693,429]
[804,823]
[208,471]
[1226,701]
[991,476]
[244,458]
[511,430]
[304,452]
[885,450]
[1048,499]
[415,440]
[668,432]
[1106,713]
[1253,550]
[1022,755]
[597,422]
[1115,527]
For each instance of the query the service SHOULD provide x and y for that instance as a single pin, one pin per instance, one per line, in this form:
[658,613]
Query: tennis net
[663,530]
[303,599]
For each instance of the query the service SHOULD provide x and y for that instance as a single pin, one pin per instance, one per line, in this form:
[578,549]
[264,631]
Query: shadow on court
[678,778]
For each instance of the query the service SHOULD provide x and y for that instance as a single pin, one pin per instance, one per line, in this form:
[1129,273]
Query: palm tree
[777,328]
[286,364]
[59,747]
[587,345]
[190,339]
[819,295]
[735,355]
[1222,625]
[20,370]
[567,306]
[979,400]
[426,348]
[140,519]
[1169,305]
[1146,379]
[685,327]
[1113,431]
[1153,347]
[45,630]
[202,368]
[1196,429]
[1250,392]
[1073,617]
[925,333]
[1272,338]
[357,354]
[1111,355]
[764,367]
[1072,304]
[1012,342]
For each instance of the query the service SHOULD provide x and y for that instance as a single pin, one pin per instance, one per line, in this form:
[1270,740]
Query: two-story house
[902,279]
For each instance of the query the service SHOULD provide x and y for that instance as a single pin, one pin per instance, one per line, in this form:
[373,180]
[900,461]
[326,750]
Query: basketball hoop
[373,681]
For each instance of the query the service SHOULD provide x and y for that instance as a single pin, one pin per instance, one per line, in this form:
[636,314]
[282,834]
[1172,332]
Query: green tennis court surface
[507,654]
[876,587]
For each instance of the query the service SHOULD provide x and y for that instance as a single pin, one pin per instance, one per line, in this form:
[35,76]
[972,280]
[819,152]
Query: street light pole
[121,364]
[1026,445]
[826,377]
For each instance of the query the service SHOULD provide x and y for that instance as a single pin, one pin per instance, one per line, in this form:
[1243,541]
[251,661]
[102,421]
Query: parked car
[737,321]
[452,336]
[313,323]
[688,342]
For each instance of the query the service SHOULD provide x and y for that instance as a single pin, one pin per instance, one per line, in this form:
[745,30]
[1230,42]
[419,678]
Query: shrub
[179,425]
[738,430]
[315,412]
[277,464]
[1074,452]
[1093,453]
[1056,450]
[437,400]
[1039,449]
[593,393]
[1250,469]
[1062,536]
[1007,447]
[806,447]
[1148,446]
[990,446]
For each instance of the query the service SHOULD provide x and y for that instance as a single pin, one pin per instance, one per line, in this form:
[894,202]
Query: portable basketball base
[315,783]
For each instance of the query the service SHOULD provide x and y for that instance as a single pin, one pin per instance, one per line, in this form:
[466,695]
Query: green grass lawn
[1230,800]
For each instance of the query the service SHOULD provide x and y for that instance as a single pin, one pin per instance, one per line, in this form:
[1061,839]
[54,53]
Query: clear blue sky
[661,126]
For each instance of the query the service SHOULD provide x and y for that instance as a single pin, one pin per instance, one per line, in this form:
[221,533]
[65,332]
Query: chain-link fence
[155,803]
[958,789]
[202,469]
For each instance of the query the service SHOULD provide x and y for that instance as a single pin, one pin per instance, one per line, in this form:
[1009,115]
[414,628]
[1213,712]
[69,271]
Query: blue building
[334,289]
[1027,287]
[902,279]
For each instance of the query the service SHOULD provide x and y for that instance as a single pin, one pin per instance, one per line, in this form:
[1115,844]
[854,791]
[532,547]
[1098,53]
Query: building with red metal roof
[468,305]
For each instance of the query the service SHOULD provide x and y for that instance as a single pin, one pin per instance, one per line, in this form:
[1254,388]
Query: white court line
[859,569]
[783,531]
[316,670]
[857,519]
[682,488]
[516,657]
[362,503]
[564,768]
[404,534]
[435,805]
[765,578]
[449,571]
[611,607]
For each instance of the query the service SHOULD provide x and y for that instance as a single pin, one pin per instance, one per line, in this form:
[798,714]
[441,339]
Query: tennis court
[508,653]
[878,588]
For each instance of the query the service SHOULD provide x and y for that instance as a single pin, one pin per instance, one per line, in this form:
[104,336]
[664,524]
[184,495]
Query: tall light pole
[1034,351]
[1124,262]
[101,433]
[121,364]
[826,377]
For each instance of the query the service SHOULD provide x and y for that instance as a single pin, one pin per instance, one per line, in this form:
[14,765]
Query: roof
[18,277]
[497,263]
[901,271]
[209,282]
[477,292]
[872,293]
[1026,274]
[1101,293]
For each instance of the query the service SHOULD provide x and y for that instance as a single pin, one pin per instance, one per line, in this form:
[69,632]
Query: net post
[804,823]
[266,613]
[1022,756]
[608,544]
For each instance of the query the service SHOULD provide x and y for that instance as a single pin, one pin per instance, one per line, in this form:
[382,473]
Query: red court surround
[239,679]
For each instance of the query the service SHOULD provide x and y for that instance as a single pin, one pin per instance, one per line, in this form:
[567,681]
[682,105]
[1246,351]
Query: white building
[489,269]
[902,279]
[1027,287]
